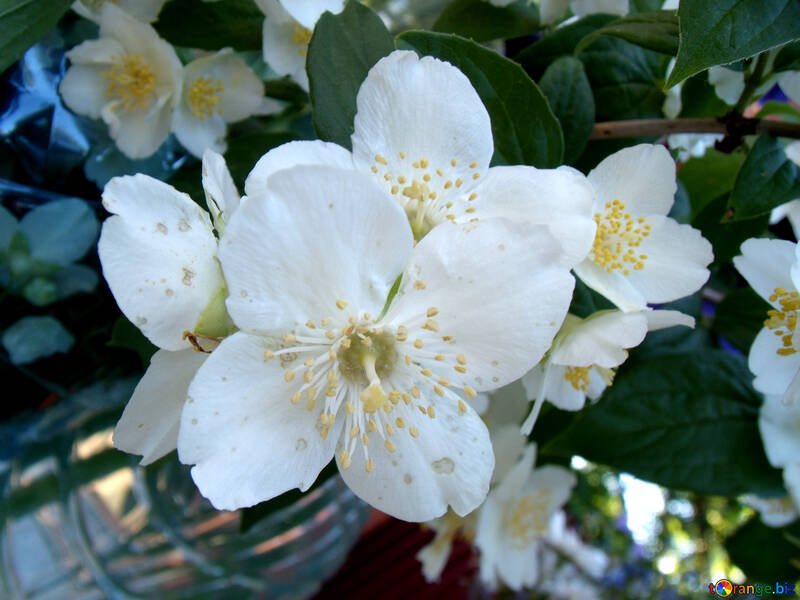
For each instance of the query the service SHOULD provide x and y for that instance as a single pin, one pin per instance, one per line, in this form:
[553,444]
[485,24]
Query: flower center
[528,519]
[580,378]
[130,80]
[426,192]
[784,321]
[204,96]
[301,36]
[618,236]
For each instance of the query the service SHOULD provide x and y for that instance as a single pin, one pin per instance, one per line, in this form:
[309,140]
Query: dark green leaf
[653,30]
[126,335]
[524,128]
[683,421]
[739,317]
[570,97]
[23,23]
[709,176]
[189,180]
[681,209]
[561,41]
[698,98]
[245,150]
[343,49]
[767,179]
[32,338]
[625,79]
[727,237]
[644,6]
[211,25]
[674,340]
[285,89]
[788,58]
[766,553]
[482,21]
[716,32]
[585,301]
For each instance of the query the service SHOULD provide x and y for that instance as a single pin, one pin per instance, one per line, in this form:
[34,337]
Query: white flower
[432,155]
[640,255]
[589,7]
[692,144]
[516,518]
[771,268]
[592,561]
[287,30]
[779,424]
[145,11]
[789,210]
[728,84]
[775,512]
[158,253]
[584,354]
[321,367]
[129,77]
[217,89]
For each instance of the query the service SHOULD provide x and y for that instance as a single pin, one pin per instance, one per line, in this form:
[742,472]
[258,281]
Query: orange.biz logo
[725,588]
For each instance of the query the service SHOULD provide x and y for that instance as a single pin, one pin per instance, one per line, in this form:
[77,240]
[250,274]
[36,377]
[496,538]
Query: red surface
[383,565]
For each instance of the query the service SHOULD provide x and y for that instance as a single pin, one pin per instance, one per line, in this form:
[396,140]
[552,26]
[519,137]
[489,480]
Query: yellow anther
[389,445]
[387,177]
[470,209]
[432,311]
[402,155]
[431,412]
[288,376]
[439,391]
[470,393]
[130,80]
[453,162]
[426,372]
[472,197]
[399,422]
[325,322]
[310,405]
[462,360]
[354,431]
[269,354]
[415,391]
[426,177]
[419,284]
[381,160]
[332,354]
[204,97]
[447,338]
[289,338]
[473,164]
[402,333]
[413,431]
[394,396]
[462,408]
[476,175]
[370,466]
[350,408]
[310,324]
[389,429]
[374,169]
[444,381]
[364,439]
[395,189]
[296,397]
[459,181]
[439,172]
[431,325]
[311,393]
[344,460]
[418,344]
[372,427]
[460,369]
[423,163]
[341,304]
[439,357]
[309,362]
[448,184]
[308,376]
[406,398]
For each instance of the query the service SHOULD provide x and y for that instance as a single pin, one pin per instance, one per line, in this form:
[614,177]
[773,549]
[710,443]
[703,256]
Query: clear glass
[80,520]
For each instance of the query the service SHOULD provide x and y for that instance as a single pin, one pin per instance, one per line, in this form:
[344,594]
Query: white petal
[488,540]
[95,52]
[773,372]
[560,198]
[663,319]
[434,556]
[775,512]
[498,291]
[144,10]
[139,133]
[642,177]
[320,235]
[589,7]
[285,56]
[728,84]
[199,135]
[614,286]
[556,389]
[766,265]
[149,424]
[222,197]
[601,340]
[424,112]
[779,425]
[450,463]
[84,90]
[518,568]
[551,11]
[248,442]
[158,256]
[294,154]
[789,210]
[514,482]
[509,445]
[791,479]
[308,12]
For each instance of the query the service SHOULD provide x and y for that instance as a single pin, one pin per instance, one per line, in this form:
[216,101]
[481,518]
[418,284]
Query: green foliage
[246,147]
[360,40]
[652,30]
[569,94]
[211,25]
[126,335]
[767,179]
[686,421]
[482,21]
[32,338]
[739,317]
[524,128]
[709,176]
[23,23]
[767,554]
[726,237]
[698,98]
[715,32]
[787,58]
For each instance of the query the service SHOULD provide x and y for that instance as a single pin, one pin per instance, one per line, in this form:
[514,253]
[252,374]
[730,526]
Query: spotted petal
[774,373]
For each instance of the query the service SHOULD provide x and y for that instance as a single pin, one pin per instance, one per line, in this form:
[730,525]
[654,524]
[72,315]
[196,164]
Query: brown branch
[730,125]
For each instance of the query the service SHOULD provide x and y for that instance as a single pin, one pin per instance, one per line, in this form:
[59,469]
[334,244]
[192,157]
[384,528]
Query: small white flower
[516,518]
[639,254]
[432,155]
[217,89]
[145,11]
[771,268]
[592,561]
[287,31]
[692,144]
[589,7]
[728,84]
[129,77]
[585,353]
[775,512]
[321,366]
[158,253]
[789,210]
[779,424]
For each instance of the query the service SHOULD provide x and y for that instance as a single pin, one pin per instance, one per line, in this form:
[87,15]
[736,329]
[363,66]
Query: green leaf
[61,231]
[686,421]
[23,23]
[716,32]
[766,553]
[32,338]
[126,335]
[726,237]
[767,179]
[285,89]
[559,42]
[625,79]
[787,58]
[343,49]
[567,90]
[585,301]
[483,21]
[787,112]
[524,128]
[211,25]
[709,176]
[643,6]
[698,98]
[653,30]
[739,317]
